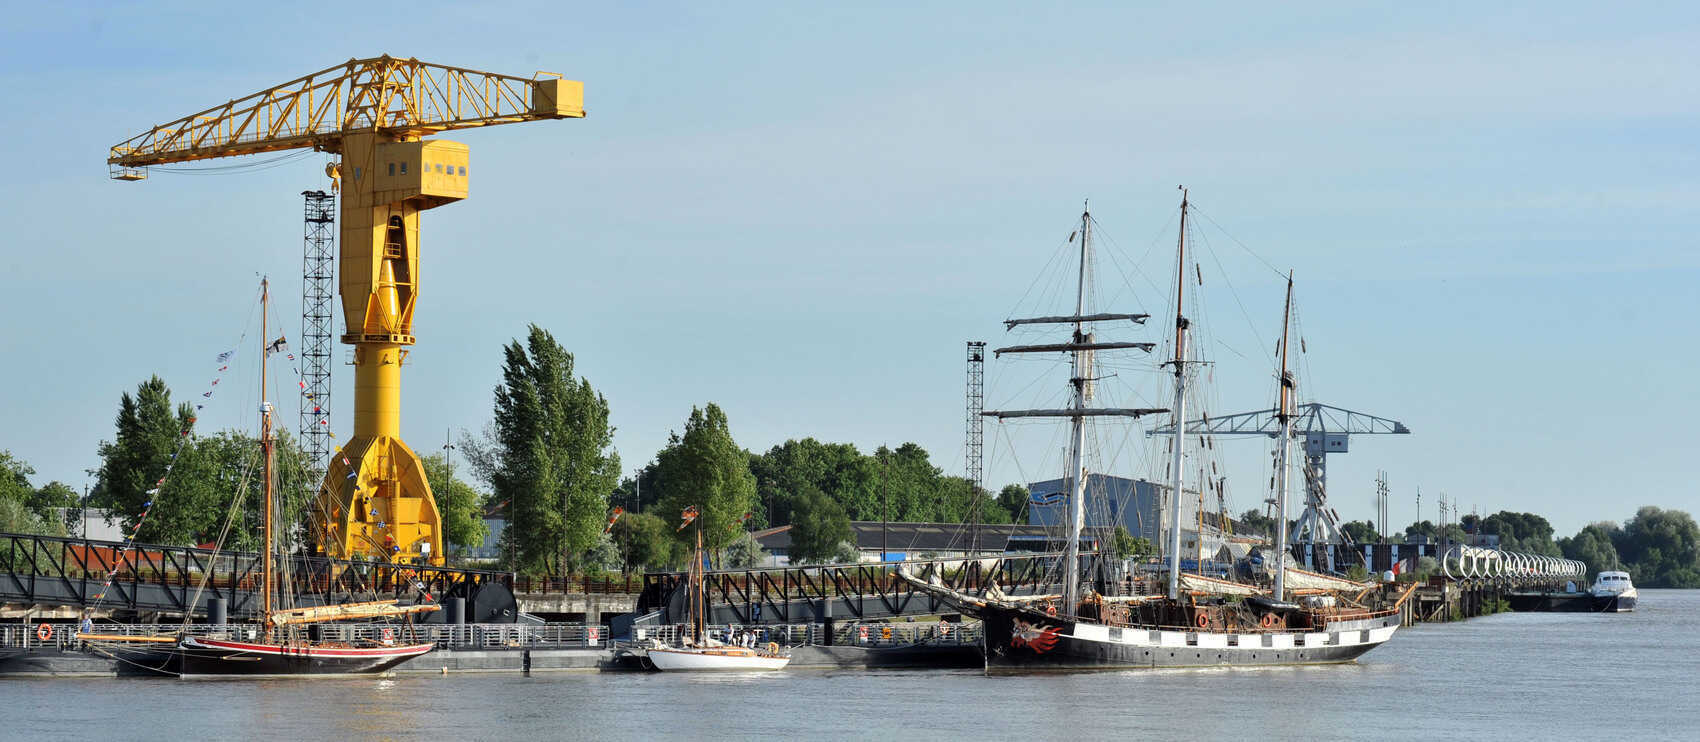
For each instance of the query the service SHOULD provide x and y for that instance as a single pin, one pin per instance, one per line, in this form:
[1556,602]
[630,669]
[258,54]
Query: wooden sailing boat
[1209,622]
[700,652]
[282,649]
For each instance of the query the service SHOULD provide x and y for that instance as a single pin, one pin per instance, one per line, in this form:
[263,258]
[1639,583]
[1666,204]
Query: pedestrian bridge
[45,572]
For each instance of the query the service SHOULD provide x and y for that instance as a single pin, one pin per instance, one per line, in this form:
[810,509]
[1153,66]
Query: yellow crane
[374,114]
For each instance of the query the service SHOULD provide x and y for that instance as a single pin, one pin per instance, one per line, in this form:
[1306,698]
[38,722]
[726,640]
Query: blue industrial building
[1135,504]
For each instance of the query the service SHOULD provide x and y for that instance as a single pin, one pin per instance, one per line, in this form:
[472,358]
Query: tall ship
[1199,621]
[282,645]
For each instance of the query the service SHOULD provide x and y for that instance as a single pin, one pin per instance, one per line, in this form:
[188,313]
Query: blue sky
[801,214]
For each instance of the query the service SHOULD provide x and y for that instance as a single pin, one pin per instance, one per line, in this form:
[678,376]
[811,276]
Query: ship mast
[1080,348]
[266,448]
[1285,417]
[1179,440]
[1077,433]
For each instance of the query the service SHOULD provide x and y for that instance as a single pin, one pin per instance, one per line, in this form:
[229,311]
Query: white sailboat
[699,652]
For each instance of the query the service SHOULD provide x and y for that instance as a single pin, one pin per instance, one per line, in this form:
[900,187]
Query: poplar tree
[148,433]
[552,464]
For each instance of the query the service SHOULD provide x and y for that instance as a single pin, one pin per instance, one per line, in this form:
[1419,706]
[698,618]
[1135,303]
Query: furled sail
[1299,579]
[1213,586]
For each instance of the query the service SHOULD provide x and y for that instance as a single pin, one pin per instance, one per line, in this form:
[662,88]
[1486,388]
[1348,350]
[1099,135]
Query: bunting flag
[1046,498]
[278,345]
[748,514]
[225,356]
[690,514]
[618,511]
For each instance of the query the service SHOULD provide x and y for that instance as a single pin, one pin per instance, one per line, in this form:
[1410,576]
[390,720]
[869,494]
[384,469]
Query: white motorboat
[1613,592]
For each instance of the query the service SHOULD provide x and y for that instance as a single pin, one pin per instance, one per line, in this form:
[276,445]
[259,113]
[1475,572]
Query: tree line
[1658,547]
[545,463]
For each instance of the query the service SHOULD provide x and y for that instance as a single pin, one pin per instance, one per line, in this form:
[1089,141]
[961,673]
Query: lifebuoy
[1268,621]
[44,632]
[773,648]
[388,634]
[1050,609]
[1202,621]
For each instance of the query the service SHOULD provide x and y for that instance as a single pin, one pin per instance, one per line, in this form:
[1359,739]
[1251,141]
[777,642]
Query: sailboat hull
[200,657]
[1025,640]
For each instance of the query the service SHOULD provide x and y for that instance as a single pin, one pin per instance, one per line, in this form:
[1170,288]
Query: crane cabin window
[404,168]
[392,168]
[462,171]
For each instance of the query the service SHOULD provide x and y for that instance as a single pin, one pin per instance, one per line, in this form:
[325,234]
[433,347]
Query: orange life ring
[1050,609]
[1268,621]
[1202,621]
[44,632]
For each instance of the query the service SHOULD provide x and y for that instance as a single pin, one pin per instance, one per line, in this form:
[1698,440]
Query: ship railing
[788,635]
[899,634]
[475,636]
[63,635]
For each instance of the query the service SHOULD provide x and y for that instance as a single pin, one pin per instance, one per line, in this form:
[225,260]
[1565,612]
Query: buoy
[1268,621]
[389,634]
[44,632]
[1202,620]
[1050,609]
[773,648]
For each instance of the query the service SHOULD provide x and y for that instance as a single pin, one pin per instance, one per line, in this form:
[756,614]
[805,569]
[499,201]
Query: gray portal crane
[1325,429]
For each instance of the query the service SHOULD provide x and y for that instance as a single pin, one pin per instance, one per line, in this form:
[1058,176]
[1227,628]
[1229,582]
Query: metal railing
[582,584]
[457,636]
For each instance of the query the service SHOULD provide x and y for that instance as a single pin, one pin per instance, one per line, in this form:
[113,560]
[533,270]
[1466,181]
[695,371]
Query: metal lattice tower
[318,256]
[976,437]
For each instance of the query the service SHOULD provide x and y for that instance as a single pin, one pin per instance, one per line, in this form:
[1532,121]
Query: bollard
[218,611]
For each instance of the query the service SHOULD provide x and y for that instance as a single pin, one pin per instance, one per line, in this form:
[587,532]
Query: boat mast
[1179,439]
[1285,417]
[266,448]
[699,632]
[1077,439]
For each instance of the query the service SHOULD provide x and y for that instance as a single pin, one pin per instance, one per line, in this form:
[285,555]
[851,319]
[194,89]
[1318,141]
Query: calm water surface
[1516,676]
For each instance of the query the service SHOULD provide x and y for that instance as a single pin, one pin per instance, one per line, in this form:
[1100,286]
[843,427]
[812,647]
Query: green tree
[149,432]
[1361,531]
[57,501]
[1526,532]
[1127,546]
[836,469]
[219,479]
[18,511]
[549,456]
[818,527]
[1013,499]
[461,506]
[1593,546]
[705,468]
[646,542]
[1661,547]
[1255,522]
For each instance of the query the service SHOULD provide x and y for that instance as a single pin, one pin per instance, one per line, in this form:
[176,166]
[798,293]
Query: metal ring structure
[1462,562]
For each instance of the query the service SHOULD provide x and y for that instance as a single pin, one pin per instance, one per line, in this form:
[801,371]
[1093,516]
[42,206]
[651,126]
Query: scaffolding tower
[317,292]
[976,438]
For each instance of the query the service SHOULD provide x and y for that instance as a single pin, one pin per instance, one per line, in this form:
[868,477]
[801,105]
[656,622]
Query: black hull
[1024,640]
[210,658]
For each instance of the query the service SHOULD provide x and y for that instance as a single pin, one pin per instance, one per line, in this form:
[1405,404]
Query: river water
[1516,676]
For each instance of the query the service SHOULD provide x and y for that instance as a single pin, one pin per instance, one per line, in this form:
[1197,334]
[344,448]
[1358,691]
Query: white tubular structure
[1462,562]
